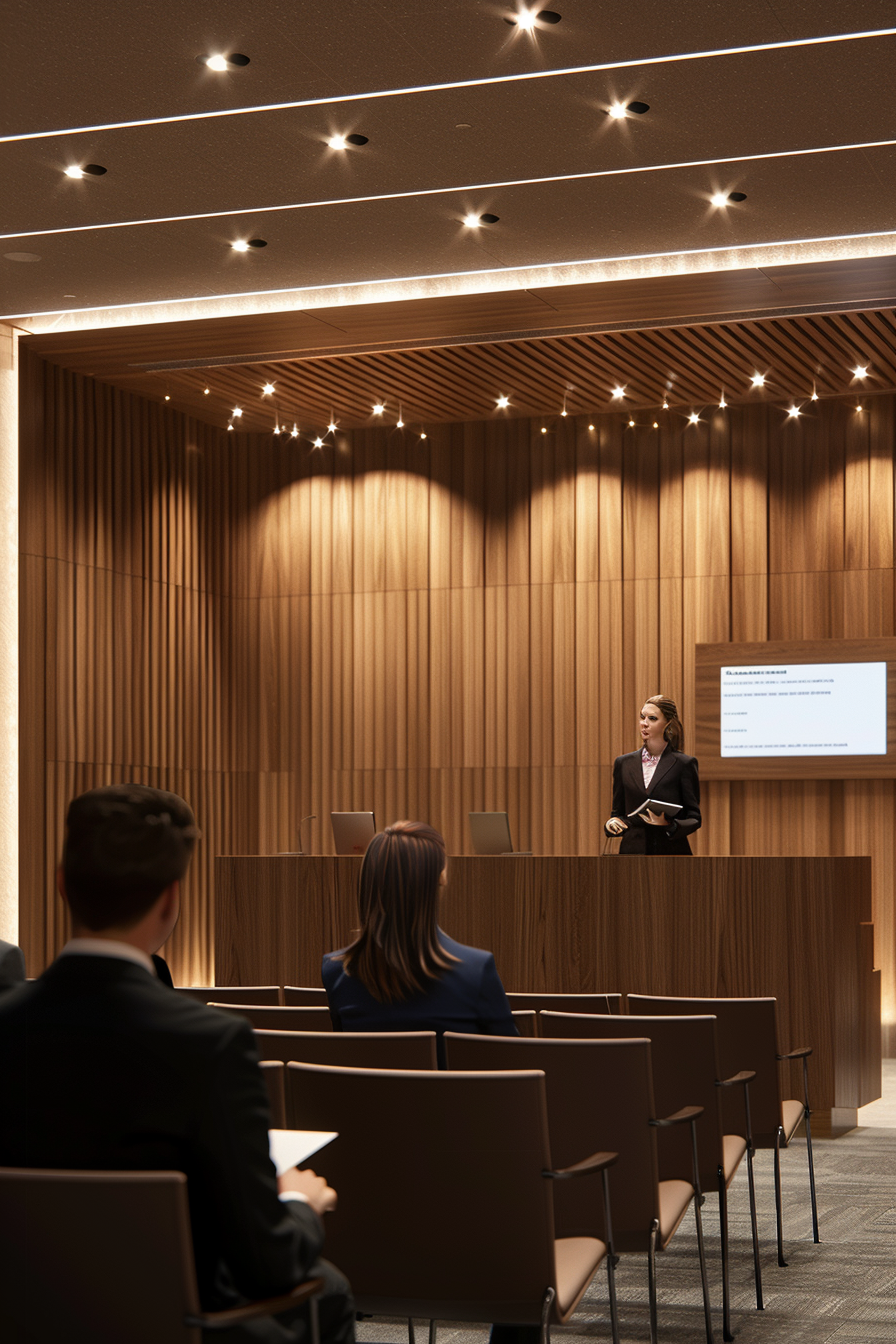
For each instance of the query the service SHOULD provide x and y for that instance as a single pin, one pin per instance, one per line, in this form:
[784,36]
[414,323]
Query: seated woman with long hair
[402,973]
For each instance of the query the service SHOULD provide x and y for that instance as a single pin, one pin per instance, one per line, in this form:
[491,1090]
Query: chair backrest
[304,996]
[273,1070]
[268,994]
[264,1018]
[600,1098]
[96,1257]
[351,1049]
[443,1210]
[685,1070]
[747,1037]
[526,1020]
[568,1003]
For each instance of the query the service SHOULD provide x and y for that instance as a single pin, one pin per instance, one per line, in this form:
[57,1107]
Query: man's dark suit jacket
[468,997]
[105,1068]
[675,780]
[12,966]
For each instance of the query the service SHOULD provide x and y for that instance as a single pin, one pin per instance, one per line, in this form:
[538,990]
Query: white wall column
[9,635]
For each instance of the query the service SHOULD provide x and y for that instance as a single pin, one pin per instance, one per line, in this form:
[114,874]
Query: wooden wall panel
[427,626]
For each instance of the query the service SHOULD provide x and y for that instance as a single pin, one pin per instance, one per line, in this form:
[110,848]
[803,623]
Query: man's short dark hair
[124,844]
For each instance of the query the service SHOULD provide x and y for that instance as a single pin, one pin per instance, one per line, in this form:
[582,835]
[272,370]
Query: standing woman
[659,769]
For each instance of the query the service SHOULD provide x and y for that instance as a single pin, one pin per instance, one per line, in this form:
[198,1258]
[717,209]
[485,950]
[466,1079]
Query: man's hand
[654,818]
[616,826]
[313,1187]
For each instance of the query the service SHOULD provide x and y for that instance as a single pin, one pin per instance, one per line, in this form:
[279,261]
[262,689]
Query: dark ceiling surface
[394,207]
[807,132]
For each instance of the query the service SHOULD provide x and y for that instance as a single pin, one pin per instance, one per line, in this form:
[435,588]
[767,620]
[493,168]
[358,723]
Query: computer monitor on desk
[490,833]
[352,831]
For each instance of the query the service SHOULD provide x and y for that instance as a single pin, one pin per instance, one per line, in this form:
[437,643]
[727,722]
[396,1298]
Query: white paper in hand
[290,1147]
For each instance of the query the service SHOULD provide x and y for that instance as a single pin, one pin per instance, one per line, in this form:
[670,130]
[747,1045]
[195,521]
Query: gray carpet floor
[841,1290]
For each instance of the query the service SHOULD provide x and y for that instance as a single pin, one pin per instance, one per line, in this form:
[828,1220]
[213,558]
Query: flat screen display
[804,709]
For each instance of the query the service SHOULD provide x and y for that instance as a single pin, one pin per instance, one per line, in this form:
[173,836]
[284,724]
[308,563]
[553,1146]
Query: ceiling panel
[99,61]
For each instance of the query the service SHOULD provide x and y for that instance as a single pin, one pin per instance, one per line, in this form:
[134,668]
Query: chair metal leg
[411,1336]
[546,1304]
[612,1259]
[815,1236]
[707,1310]
[651,1279]
[726,1286]
[314,1319]
[778,1213]
[754,1228]
[433,1328]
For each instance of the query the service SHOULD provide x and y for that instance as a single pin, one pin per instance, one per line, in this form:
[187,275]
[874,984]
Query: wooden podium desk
[796,928]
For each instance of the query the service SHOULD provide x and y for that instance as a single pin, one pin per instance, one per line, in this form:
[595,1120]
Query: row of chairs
[687,1067]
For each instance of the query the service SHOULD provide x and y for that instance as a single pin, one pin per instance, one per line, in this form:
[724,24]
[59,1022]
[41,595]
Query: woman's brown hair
[673,731]
[398,950]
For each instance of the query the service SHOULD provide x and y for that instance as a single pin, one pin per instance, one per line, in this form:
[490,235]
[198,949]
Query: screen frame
[709,659]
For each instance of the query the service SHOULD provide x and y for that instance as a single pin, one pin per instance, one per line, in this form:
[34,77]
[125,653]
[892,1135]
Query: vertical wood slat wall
[426,627]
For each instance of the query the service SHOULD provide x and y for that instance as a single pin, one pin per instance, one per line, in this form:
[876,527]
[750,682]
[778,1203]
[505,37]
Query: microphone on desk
[312,817]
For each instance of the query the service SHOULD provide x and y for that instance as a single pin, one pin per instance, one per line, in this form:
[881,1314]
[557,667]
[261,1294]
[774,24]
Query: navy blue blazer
[468,997]
[675,780]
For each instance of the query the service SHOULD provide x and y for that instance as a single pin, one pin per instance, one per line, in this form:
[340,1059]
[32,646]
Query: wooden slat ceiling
[691,366]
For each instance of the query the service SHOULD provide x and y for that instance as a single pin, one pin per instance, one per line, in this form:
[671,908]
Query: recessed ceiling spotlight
[618,393]
[503,403]
[318,442]
[656,424]
[527,19]
[277,430]
[379,408]
[859,408]
[860,371]
[237,411]
[665,405]
[814,396]
[77,170]
[230,427]
[331,427]
[693,418]
[618,111]
[473,221]
[793,412]
[758,380]
[564,412]
[343,141]
[220,62]
[205,391]
[723,403]
[399,424]
[167,397]
[591,427]
[543,430]
[719,198]
[267,390]
[294,432]
[631,424]
[243,244]
[422,434]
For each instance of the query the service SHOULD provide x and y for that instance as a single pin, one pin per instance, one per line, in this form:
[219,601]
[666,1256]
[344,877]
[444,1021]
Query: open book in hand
[654,805]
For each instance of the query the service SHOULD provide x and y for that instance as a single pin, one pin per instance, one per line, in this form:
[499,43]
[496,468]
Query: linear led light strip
[457,84]
[505,275]
[448,191]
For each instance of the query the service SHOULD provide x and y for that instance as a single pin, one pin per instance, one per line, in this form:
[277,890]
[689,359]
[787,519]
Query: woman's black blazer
[675,780]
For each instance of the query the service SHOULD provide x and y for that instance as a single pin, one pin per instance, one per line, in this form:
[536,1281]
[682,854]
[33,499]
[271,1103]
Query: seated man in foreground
[104,1068]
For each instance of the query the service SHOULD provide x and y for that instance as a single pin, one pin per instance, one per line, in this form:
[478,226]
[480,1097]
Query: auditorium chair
[106,1257]
[272,1070]
[748,1039]
[265,1018]
[446,1186]
[526,1020]
[567,1003]
[303,996]
[686,1072]
[230,994]
[350,1049]
[600,1096]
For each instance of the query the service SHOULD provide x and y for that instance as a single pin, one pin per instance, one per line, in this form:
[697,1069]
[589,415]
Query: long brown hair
[398,950]
[673,731]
